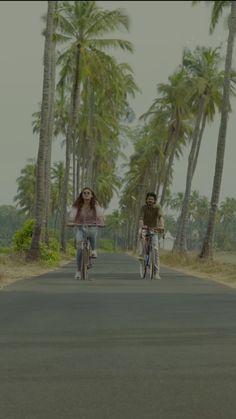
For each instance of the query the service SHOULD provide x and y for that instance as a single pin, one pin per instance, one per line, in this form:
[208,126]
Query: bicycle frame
[149,257]
[85,257]
[85,247]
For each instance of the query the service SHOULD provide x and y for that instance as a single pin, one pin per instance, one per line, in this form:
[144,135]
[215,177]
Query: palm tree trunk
[90,136]
[73,168]
[71,132]
[163,160]
[167,173]
[34,251]
[154,171]
[199,142]
[77,176]
[207,248]
[170,162]
[50,136]
[79,160]
[136,211]
[180,241]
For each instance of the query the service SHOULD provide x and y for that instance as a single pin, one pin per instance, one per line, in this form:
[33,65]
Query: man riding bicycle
[151,218]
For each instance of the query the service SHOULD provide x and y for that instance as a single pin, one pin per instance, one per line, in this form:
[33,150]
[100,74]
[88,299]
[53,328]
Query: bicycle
[148,261]
[86,250]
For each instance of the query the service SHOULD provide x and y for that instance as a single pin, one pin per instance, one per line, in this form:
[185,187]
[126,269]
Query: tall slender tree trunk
[154,171]
[199,142]
[50,137]
[170,162]
[77,175]
[90,136]
[71,133]
[180,241]
[207,248]
[163,160]
[74,168]
[34,251]
[136,212]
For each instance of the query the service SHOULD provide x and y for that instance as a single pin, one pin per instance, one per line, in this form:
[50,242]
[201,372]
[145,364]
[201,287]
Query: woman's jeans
[80,235]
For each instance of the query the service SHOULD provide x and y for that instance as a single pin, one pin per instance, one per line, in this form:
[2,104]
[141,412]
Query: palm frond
[111,43]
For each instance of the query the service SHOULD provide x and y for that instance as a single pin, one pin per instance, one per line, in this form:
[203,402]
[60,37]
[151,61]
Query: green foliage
[54,244]
[22,238]
[22,241]
[50,254]
[10,220]
[225,230]
[5,250]
[26,188]
[71,247]
[106,244]
[102,110]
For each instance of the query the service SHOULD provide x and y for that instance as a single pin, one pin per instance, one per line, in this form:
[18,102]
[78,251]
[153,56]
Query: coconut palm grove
[86,106]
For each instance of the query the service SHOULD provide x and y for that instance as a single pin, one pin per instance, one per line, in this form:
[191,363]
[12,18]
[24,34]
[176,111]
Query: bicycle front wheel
[152,263]
[142,268]
[84,264]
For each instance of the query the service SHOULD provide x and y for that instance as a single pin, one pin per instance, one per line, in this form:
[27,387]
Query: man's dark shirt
[151,215]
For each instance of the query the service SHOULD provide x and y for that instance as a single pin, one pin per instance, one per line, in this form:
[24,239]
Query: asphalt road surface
[117,347]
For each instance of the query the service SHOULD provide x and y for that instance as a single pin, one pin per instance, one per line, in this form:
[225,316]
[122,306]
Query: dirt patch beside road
[12,270]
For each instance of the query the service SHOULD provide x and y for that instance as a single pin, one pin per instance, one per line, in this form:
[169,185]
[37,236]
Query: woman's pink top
[87,215]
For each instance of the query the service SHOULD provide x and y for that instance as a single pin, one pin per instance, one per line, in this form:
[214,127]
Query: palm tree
[175,97]
[57,178]
[82,25]
[170,110]
[205,84]
[26,188]
[43,137]
[103,109]
[138,179]
[207,248]
[51,111]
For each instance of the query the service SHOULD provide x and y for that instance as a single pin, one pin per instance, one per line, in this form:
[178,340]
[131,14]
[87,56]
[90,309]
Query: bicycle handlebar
[84,225]
[155,229]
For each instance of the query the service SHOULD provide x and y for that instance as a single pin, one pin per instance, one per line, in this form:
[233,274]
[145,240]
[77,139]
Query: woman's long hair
[80,200]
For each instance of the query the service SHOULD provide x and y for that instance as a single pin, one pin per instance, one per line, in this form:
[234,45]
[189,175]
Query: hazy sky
[159,31]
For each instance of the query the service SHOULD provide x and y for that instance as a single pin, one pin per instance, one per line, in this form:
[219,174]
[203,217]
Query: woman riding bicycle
[151,217]
[86,212]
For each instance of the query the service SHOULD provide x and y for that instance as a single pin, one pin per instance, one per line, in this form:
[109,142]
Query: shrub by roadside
[13,265]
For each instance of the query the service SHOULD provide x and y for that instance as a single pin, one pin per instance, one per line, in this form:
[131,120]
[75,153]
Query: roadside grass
[228,257]
[222,268]
[13,267]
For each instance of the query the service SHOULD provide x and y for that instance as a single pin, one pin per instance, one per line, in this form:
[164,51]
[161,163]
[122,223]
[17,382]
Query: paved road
[117,347]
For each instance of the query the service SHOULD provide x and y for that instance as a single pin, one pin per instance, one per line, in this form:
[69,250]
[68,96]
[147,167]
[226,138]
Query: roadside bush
[22,238]
[71,250]
[22,242]
[48,255]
